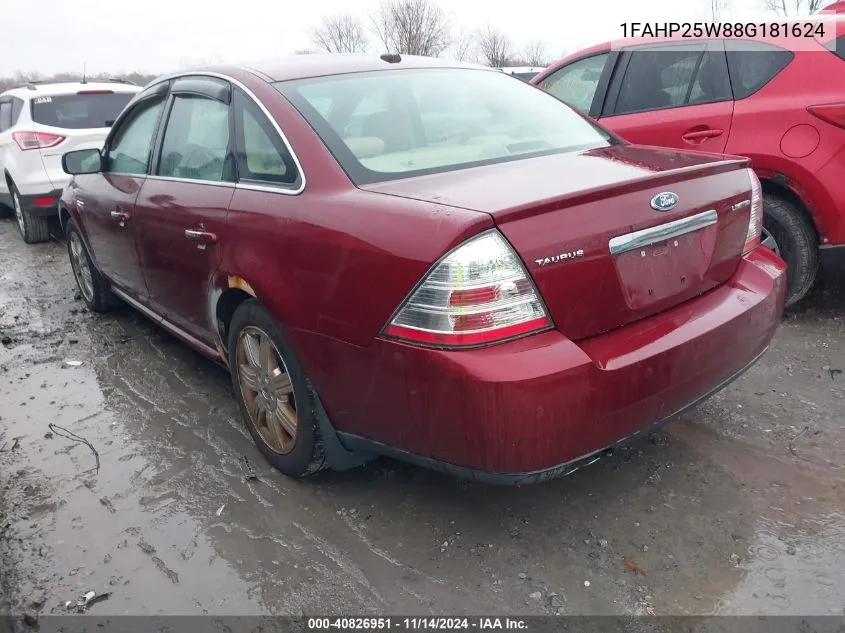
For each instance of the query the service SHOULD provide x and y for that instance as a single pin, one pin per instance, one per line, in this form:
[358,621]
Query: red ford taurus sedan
[428,260]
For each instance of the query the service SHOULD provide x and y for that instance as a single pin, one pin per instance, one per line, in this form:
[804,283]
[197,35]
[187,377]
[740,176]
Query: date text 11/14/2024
[416,623]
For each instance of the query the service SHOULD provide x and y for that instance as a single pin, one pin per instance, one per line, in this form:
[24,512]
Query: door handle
[700,135]
[203,238]
[121,216]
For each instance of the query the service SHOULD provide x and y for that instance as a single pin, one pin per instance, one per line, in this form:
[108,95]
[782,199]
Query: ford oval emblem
[665,201]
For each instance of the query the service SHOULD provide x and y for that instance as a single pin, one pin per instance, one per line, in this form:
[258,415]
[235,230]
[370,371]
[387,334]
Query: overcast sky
[51,36]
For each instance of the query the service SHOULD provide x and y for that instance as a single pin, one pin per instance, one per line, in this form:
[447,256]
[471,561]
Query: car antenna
[391,58]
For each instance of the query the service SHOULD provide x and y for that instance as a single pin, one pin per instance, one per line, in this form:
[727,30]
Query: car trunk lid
[600,254]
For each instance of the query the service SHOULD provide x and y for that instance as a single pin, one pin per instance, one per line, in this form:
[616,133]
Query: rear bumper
[832,260]
[527,410]
[36,204]
[355,443]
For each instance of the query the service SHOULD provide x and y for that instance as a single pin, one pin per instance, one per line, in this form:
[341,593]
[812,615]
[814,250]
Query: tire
[95,290]
[33,228]
[795,241]
[304,452]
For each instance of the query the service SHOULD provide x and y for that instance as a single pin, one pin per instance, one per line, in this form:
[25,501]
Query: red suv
[779,101]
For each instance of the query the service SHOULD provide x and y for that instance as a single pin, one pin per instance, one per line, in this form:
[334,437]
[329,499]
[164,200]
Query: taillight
[755,220]
[833,113]
[478,294]
[36,140]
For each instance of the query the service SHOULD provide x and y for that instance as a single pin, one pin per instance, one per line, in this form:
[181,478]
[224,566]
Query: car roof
[31,90]
[322,64]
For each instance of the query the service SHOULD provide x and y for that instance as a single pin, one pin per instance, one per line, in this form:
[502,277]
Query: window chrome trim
[198,181]
[676,228]
[269,188]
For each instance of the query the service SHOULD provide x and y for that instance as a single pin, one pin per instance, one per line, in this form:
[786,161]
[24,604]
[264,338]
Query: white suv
[38,124]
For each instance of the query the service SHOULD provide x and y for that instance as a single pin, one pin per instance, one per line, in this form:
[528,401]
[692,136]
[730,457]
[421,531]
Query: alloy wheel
[266,389]
[768,240]
[81,267]
[19,214]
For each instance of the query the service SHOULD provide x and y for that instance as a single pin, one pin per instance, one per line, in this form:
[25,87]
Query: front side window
[576,83]
[129,151]
[262,156]
[84,110]
[196,140]
[754,64]
[393,124]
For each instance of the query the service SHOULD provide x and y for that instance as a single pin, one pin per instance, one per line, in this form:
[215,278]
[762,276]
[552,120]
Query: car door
[181,210]
[106,200]
[674,95]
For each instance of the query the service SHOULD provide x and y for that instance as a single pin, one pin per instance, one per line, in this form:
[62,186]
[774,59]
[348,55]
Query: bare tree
[717,10]
[412,27]
[494,47]
[534,54]
[341,33]
[462,46]
[305,51]
[793,8]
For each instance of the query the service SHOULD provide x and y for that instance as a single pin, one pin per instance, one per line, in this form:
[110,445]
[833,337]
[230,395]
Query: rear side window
[576,83]
[80,111]
[754,64]
[5,115]
[17,106]
[666,78]
[261,156]
[837,47]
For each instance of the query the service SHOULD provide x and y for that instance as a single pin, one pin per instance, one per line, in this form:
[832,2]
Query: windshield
[79,111]
[397,123]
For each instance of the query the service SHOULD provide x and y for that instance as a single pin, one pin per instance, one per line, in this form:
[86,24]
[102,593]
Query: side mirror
[82,161]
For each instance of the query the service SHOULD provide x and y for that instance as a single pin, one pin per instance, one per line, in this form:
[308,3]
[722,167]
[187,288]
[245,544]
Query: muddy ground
[739,507]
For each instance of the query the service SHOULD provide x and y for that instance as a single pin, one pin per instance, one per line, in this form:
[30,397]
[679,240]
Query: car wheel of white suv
[33,228]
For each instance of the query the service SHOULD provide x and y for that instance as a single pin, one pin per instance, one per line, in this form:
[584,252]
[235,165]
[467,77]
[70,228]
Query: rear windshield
[394,124]
[79,111]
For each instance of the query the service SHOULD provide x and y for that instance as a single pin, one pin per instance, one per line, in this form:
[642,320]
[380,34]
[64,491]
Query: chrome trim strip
[251,186]
[167,325]
[645,237]
[198,181]
[269,188]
